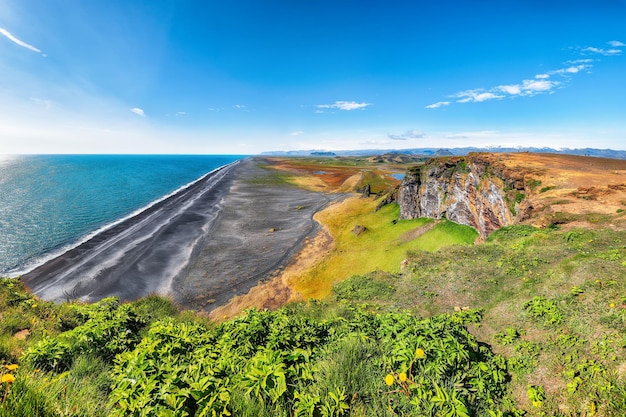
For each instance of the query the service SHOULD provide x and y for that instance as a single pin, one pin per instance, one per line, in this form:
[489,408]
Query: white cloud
[438,104]
[605,52]
[409,134]
[579,61]
[239,106]
[344,105]
[531,87]
[138,111]
[540,84]
[21,43]
[296,133]
[181,113]
[510,89]
[476,96]
[572,69]
[528,87]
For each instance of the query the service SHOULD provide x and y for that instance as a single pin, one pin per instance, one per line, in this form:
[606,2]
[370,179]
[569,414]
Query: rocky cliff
[475,190]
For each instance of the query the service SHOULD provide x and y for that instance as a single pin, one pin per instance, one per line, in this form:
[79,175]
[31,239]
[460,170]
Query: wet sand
[202,246]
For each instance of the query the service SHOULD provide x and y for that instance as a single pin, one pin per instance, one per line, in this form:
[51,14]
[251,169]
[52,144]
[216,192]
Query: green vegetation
[378,181]
[530,323]
[553,303]
[546,189]
[445,233]
[273,178]
[319,359]
[383,245]
[534,183]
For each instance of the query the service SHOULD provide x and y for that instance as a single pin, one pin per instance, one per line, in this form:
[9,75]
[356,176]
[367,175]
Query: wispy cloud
[181,113]
[438,104]
[240,106]
[409,134]
[45,104]
[540,84]
[344,105]
[615,45]
[138,111]
[19,42]
[601,51]
[477,96]
[296,133]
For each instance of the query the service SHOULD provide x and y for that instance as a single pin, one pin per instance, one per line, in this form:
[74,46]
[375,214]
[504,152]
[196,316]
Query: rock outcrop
[474,190]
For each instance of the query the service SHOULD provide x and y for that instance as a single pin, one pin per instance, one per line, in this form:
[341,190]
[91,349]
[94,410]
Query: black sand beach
[259,229]
[207,243]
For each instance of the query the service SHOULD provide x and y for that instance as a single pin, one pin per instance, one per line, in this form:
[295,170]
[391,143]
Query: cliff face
[475,191]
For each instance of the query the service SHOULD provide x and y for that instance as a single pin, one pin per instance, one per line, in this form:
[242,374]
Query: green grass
[532,321]
[563,294]
[444,234]
[382,246]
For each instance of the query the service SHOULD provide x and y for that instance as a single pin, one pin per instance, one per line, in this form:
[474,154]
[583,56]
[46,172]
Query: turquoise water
[50,203]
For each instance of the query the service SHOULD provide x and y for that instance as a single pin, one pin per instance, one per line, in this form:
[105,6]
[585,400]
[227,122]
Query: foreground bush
[284,364]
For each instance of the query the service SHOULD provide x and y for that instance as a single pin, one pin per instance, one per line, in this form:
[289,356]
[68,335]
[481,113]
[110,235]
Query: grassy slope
[554,303]
[382,246]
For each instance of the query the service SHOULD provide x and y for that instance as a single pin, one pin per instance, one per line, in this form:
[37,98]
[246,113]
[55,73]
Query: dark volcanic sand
[259,229]
[202,246]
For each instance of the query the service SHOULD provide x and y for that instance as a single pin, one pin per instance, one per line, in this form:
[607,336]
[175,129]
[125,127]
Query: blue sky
[247,76]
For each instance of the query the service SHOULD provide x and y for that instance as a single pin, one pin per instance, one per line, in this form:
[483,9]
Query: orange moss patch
[315,176]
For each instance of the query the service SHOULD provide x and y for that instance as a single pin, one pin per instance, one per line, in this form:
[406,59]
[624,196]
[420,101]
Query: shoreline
[35,261]
[59,278]
[213,240]
[260,230]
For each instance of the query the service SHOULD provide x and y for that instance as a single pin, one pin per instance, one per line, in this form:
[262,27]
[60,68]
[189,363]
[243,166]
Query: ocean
[51,203]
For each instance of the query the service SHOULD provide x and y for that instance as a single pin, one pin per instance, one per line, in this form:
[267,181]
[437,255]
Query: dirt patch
[570,188]
[417,232]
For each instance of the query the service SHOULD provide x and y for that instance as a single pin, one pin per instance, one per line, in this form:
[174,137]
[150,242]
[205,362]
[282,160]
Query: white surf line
[41,260]
[90,272]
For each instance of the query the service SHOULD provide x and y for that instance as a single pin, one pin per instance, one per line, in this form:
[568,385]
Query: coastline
[39,261]
[202,245]
[258,233]
[89,271]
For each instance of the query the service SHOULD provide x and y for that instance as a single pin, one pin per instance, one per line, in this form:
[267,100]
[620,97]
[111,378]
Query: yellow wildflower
[12,367]
[612,305]
[402,376]
[8,378]
[419,353]
[389,380]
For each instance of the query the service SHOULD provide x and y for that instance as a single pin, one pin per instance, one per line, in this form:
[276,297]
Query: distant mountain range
[601,153]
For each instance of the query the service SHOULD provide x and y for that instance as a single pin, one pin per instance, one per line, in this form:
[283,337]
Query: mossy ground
[383,244]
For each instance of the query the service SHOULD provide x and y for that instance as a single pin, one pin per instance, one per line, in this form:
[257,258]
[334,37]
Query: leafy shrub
[279,363]
[109,328]
[544,310]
